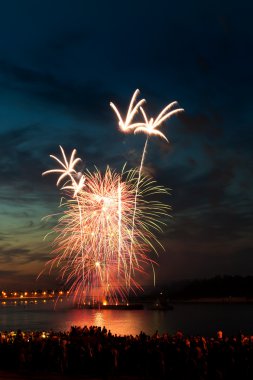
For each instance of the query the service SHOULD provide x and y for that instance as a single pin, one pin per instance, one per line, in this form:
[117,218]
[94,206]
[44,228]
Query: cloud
[64,40]
[187,260]
[9,254]
[20,255]
[81,101]
[16,280]
[201,124]
[54,80]
[7,273]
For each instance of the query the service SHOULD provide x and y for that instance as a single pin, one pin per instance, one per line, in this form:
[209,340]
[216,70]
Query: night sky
[62,62]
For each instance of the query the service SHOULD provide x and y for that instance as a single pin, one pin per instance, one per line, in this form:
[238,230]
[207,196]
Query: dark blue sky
[62,62]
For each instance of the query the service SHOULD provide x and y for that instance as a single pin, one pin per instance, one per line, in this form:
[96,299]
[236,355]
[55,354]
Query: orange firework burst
[96,248]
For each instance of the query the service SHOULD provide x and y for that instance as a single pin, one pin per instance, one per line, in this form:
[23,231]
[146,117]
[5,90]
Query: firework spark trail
[94,255]
[82,241]
[69,171]
[119,222]
[136,195]
[67,167]
[148,127]
[76,188]
[125,125]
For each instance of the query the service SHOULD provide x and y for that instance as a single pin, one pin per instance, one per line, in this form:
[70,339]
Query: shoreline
[139,302]
[26,375]
[220,300]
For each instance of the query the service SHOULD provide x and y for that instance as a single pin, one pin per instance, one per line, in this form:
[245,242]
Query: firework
[147,126]
[98,253]
[106,233]
[125,124]
[66,168]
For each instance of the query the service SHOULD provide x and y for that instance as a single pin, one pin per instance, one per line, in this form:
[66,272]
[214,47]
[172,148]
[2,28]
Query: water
[192,319]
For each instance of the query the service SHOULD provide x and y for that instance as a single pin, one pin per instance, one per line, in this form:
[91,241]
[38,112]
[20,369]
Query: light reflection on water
[192,319]
[121,321]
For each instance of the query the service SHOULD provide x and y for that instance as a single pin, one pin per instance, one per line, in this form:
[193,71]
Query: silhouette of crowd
[95,352]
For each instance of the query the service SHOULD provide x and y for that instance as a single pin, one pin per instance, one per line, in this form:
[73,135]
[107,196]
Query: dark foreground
[95,353]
